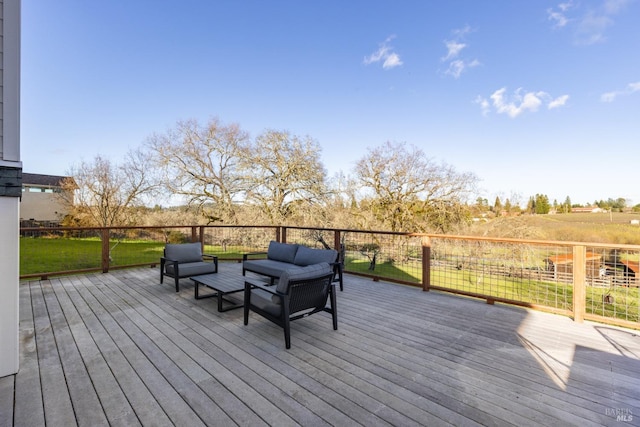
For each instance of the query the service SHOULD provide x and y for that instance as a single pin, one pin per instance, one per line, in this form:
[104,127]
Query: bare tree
[285,174]
[101,193]
[406,186]
[201,163]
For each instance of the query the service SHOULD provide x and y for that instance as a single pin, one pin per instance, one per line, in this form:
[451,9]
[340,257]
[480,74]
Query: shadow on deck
[120,348]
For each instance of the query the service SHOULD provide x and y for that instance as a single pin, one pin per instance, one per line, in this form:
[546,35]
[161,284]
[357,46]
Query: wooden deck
[121,349]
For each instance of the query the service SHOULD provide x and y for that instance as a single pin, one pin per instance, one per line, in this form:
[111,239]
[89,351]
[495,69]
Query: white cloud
[530,101]
[588,23]
[611,96]
[484,105]
[591,28]
[453,49]
[519,102]
[391,61]
[385,53]
[558,102]
[565,6]
[559,16]
[461,32]
[456,65]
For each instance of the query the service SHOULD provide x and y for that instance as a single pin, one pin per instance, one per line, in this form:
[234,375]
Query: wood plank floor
[121,349]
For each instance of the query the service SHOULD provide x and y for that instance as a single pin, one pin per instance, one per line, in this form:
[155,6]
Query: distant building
[563,264]
[587,209]
[631,272]
[40,198]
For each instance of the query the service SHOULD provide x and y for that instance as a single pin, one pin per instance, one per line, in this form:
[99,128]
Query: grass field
[625,304]
[41,255]
[614,228]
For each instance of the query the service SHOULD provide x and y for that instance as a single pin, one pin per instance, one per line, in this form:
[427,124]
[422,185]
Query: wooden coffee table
[221,287]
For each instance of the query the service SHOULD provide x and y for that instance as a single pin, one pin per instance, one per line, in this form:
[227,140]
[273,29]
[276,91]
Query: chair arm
[164,260]
[213,258]
[250,284]
[270,289]
[247,255]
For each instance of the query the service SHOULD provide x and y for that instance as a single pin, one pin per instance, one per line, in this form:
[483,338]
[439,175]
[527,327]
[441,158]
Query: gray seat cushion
[188,269]
[267,267]
[264,300]
[273,303]
[183,252]
[282,251]
[309,256]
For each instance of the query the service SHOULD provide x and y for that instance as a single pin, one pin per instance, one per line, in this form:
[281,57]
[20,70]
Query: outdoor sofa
[287,256]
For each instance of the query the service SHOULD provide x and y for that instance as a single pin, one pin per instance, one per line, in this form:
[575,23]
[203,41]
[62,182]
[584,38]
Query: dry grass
[615,228]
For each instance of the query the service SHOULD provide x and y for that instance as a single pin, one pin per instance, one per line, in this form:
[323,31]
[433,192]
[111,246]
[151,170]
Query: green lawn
[550,294]
[42,255]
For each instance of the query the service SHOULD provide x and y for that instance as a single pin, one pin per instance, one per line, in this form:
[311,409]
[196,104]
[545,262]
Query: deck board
[121,349]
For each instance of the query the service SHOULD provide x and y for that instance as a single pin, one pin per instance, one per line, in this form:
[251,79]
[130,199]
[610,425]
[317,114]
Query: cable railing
[583,280]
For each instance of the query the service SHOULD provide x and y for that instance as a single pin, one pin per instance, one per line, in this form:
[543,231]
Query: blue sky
[531,96]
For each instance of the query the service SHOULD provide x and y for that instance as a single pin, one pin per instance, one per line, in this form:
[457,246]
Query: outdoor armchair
[299,293]
[186,260]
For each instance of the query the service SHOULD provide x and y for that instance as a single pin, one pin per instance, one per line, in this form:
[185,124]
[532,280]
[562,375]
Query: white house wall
[41,206]
[10,184]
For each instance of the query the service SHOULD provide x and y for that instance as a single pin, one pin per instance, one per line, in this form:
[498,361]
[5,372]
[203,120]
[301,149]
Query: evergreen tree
[566,208]
[497,206]
[542,205]
[507,206]
[531,205]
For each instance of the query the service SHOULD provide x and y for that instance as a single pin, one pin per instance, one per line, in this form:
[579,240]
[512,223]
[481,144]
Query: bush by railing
[597,282]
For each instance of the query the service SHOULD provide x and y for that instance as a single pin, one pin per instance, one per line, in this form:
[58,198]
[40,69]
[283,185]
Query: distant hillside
[576,227]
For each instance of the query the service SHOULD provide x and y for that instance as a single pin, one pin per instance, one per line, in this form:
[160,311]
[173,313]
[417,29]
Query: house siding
[10,184]
[1,79]
[10,80]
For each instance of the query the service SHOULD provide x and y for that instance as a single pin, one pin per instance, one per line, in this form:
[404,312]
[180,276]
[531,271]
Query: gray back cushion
[282,251]
[184,252]
[302,273]
[308,256]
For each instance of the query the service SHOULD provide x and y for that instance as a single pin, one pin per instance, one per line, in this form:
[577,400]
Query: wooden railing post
[194,234]
[284,234]
[201,236]
[426,263]
[579,282]
[104,236]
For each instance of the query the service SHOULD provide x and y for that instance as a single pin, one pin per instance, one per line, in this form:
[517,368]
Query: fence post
[105,249]
[194,234]
[201,236]
[284,234]
[579,282]
[426,263]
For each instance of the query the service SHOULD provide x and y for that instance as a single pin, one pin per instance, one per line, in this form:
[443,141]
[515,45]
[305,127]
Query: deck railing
[583,280]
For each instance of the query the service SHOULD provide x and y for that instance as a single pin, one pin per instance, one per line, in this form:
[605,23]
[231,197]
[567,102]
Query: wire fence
[537,274]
